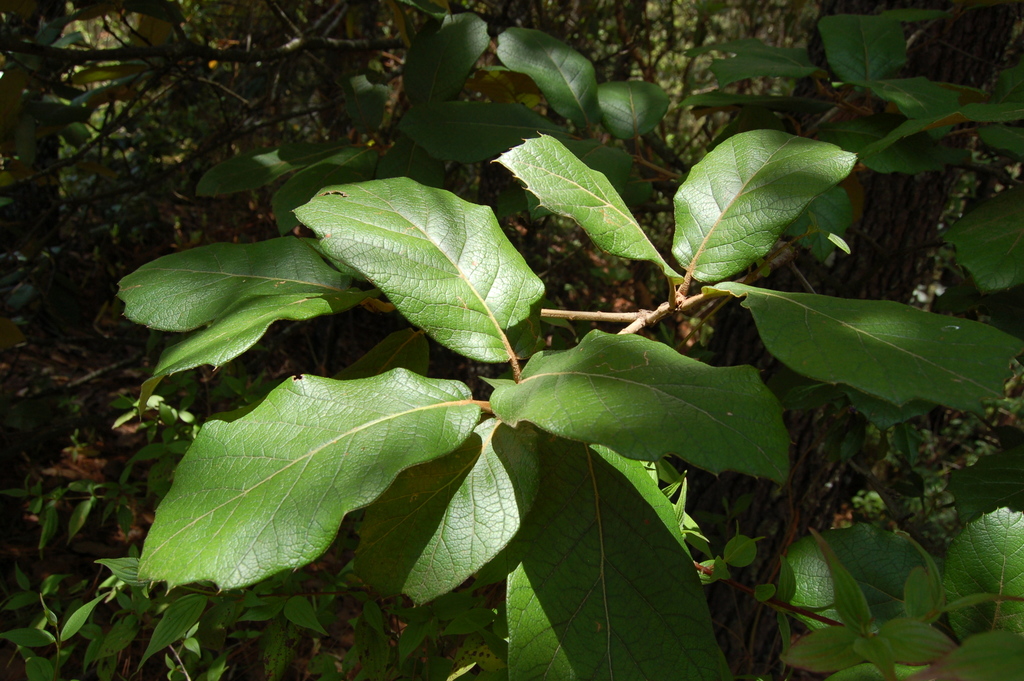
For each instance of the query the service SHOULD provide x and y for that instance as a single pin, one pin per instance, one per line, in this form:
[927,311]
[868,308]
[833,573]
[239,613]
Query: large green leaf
[863,47]
[240,326]
[267,491]
[995,481]
[183,291]
[716,100]
[1005,138]
[987,558]
[353,164]
[992,656]
[1010,85]
[882,348]
[916,97]
[917,153]
[738,200]
[879,561]
[443,262]
[468,132]
[754,58]
[441,522]
[441,57]
[262,166]
[988,241]
[631,108]
[605,590]
[644,400]
[564,75]
[364,101]
[565,185]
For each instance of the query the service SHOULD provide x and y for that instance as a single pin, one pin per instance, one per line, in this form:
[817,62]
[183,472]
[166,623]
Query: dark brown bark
[892,255]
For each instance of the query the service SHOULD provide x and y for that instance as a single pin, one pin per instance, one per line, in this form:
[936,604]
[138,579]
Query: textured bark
[893,254]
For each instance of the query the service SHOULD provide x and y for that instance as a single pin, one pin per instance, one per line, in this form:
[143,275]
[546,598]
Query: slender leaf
[175,623]
[849,599]
[825,650]
[267,491]
[738,200]
[987,558]
[407,349]
[443,262]
[631,108]
[441,522]
[468,132]
[258,167]
[565,185]
[988,241]
[352,164]
[74,622]
[644,400]
[300,611]
[591,599]
[885,349]
[995,481]
[862,47]
[565,76]
[29,637]
[442,56]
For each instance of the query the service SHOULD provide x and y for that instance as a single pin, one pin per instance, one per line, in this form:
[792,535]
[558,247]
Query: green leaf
[772,102]
[869,672]
[591,598]
[408,159]
[564,75]
[258,167]
[441,522]
[300,611]
[39,669]
[644,400]
[754,58]
[892,351]
[738,200]
[126,569]
[985,657]
[364,102]
[183,291]
[915,642]
[175,623]
[352,164]
[848,597]
[631,108]
[1005,138]
[75,620]
[444,263]
[909,15]
[916,97]
[468,132]
[1010,85]
[826,217]
[565,185]
[879,561]
[268,490]
[917,153]
[988,241]
[407,349]
[861,47]
[995,481]
[987,558]
[825,650]
[28,637]
[441,57]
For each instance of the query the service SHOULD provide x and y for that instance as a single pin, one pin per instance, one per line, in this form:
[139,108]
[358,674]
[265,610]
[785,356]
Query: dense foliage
[535,524]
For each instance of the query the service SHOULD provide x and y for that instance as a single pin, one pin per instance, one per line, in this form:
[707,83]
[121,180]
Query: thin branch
[587,316]
[183,51]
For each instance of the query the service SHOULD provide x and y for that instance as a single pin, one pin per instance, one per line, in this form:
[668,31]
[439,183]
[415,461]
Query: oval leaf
[441,57]
[443,262]
[631,108]
[995,481]
[441,522]
[860,47]
[738,200]
[564,75]
[989,240]
[258,167]
[175,623]
[565,185]
[267,491]
[353,164]
[644,400]
[882,348]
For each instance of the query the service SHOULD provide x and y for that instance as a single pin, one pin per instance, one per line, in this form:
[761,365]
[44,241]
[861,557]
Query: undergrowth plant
[556,484]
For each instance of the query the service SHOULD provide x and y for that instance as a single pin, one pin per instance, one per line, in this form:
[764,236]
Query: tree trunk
[894,247]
